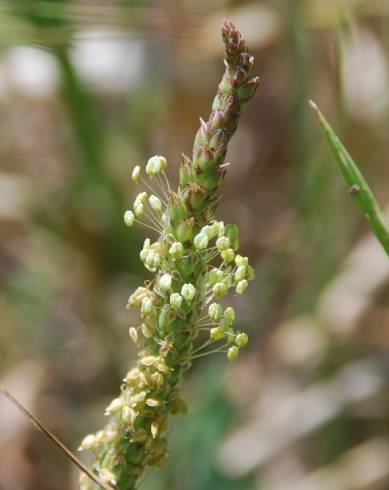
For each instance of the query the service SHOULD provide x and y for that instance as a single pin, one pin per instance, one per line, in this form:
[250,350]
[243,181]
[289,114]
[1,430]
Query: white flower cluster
[136,403]
[170,292]
[181,302]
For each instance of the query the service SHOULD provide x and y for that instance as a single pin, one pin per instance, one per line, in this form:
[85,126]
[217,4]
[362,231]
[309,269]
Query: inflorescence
[195,263]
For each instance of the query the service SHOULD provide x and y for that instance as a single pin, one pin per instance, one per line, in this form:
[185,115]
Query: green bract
[193,262]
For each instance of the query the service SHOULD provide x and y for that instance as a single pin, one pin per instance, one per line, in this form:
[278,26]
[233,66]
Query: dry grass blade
[53,438]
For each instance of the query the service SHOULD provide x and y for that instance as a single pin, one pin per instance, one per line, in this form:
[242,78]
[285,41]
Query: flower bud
[215,275]
[137,296]
[220,228]
[143,255]
[247,90]
[115,405]
[162,368]
[241,339]
[165,219]
[250,273]
[215,312]
[138,209]
[141,198]
[163,316]
[129,415]
[155,203]
[129,218]
[157,379]
[87,443]
[153,261]
[219,290]
[228,255]
[149,360]
[185,267]
[165,282]
[206,230]
[200,241]
[188,292]
[154,429]
[133,332]
[184,230]
[213,230]
[222,243]
[241,286]
[147,330]
[227,281]
[132,377]
[225,324]
[176,301]
[239,261]
[216,333]
[135,175]
[146,306]
[155,164]
[232,232]
[152,402]
[240,273]
[233,353]
[176,250]
[229,314]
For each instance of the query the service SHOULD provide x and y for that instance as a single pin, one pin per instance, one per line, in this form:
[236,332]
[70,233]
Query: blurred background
[87,89]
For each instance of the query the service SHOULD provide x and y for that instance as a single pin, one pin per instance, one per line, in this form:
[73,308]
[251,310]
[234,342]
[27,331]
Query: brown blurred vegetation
[89,88]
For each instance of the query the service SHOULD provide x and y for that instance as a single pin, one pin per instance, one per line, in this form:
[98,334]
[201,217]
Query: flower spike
[178,304]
